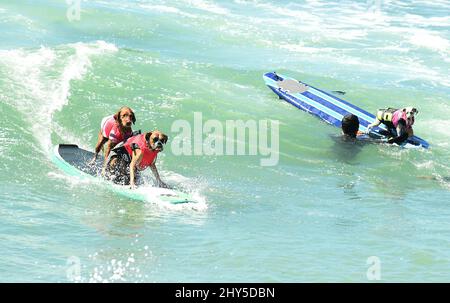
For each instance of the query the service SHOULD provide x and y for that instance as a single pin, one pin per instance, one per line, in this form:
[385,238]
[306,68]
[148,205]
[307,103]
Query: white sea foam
[299,48]
[418,20]
[167,10]
[124,267]
[436,3]
[193,187]
[161,8]
[5,140]
[208,6]
[149,191]
[71,180]
[69,137]
[152,198]
[430,40]
[404,69]
[315,25]
[424,165]
[441,127]
[39,93]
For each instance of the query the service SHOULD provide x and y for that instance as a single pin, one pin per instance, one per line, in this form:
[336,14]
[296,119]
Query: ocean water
[322,214]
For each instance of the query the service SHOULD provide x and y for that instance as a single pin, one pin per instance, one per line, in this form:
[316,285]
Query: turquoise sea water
[318,215]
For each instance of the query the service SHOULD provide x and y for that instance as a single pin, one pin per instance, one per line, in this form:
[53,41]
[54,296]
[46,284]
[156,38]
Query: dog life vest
[111,130]
[149,156]
[391,116]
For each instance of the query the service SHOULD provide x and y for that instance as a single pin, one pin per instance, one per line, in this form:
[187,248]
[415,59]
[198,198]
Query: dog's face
[125,117]
[157,140]
[410,112]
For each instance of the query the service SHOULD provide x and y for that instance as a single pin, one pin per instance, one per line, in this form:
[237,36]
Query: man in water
[399,123]
[350,127]
[350,143]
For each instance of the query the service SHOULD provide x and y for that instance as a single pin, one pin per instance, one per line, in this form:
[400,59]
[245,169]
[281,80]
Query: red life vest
[149,156]
[400,114]
[111,130]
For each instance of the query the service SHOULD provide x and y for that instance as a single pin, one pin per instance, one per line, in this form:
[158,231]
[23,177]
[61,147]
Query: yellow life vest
[386,115]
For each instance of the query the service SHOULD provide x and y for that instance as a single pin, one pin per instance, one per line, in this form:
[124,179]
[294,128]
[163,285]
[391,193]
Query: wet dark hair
[350,125]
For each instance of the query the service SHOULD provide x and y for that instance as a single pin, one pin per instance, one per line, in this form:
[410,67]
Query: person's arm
[136,159]
[156,174]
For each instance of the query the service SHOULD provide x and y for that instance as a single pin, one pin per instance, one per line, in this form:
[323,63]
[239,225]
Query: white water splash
[430,40]
[208,6]
[123,268]
[41,81]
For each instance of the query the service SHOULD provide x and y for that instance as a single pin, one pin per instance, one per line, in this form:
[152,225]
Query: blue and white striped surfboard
[327,107]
